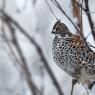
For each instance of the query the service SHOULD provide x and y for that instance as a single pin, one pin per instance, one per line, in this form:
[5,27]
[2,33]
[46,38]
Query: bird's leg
[86,89]
[73,83]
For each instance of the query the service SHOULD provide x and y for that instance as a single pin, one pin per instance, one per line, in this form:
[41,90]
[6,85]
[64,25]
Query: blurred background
[26,62]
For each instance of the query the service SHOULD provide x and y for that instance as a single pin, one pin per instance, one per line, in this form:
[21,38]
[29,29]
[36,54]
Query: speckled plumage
[72,55]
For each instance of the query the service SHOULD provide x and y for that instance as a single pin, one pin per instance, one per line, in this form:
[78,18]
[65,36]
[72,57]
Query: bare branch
[59,7]
[6,18]
[73,84]
[24,63]
[78,14]
[91,85]
[89,18]
[10,47]
[81,22]
[87,11]
[55,2]
[79,4]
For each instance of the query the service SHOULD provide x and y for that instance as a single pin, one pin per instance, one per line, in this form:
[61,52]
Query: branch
[73,84]
[6,18]
[78,14]
[79,4]
[20,63]
[59,7]
[23,66]
[91,85]
[87,11]
[9,45]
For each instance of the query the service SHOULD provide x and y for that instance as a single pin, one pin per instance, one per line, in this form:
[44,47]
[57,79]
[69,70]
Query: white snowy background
[36,18]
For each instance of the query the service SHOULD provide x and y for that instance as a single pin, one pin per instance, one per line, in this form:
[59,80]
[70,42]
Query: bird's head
[60,28]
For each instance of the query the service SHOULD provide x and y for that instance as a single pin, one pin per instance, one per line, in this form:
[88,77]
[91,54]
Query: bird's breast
[73,59]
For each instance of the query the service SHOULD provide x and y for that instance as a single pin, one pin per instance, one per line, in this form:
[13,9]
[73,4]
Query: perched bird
[72,55]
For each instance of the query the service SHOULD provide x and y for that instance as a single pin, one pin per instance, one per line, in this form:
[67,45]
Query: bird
[71,54]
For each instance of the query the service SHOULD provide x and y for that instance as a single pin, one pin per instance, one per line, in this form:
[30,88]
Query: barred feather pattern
[74,57]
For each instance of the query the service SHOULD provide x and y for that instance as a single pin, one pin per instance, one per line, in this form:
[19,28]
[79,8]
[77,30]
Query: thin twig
[8,44]
[73,84]
[51,10]
[6,17]
[59,7]
[79,4]
[89,18]
[81,23]
[24,63]
[91,85]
